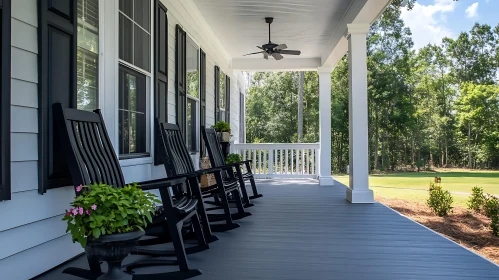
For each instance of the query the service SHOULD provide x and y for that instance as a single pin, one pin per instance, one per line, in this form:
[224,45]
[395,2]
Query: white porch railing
[299,160]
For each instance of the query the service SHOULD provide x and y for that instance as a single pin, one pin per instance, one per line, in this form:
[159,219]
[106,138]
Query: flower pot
[113,249]
[224,136]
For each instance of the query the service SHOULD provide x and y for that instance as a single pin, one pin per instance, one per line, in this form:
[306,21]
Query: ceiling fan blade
[253,53]
[266,56]
[281,47]
[290,52]
[277,56]
[259,47]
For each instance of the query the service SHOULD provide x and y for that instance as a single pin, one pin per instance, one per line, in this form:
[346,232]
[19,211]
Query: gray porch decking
[302,231]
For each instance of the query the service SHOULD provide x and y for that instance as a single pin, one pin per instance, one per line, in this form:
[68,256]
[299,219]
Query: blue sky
[432,20]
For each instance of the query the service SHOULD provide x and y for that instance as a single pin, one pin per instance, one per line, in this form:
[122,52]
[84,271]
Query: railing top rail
[277,146]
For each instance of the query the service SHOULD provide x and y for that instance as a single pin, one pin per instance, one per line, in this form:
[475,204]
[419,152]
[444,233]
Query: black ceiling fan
[272,49]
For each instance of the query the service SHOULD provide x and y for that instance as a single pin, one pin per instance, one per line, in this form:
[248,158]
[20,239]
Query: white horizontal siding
[24,176]
[24,36]
[27,264]
[31,235]
[24,147]
[24,93]
[24,119]
[26,65]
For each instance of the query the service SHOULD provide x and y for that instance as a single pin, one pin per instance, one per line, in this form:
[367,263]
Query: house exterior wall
[32,234]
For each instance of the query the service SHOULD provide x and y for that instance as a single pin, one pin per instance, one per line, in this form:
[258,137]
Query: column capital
[325,70]
[358,28]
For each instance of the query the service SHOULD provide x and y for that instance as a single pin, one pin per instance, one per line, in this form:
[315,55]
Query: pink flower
[68,213]
[79,188]
[81,210]
[74,211]
[88,212]
[94,207]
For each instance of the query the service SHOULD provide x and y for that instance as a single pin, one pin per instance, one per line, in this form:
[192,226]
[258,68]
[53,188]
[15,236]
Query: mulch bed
[471,230]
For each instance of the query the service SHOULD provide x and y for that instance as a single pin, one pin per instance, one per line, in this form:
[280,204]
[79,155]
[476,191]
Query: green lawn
[413,185]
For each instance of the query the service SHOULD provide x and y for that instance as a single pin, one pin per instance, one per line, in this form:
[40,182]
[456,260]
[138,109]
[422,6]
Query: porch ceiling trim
[290,64]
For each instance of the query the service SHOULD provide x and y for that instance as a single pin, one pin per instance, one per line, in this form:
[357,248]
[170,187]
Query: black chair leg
[202,215]
[242,185]
[198,230]
[225,205]
[178,243]
[239,203]
[253,188]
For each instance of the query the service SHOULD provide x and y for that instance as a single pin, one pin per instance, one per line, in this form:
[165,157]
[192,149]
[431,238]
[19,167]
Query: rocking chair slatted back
[213,146]
[86,136]
[177,160]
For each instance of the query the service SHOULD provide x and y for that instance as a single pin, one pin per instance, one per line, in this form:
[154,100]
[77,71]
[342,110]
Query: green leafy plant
[440,201]
[221,126]
[233,158]
[101,209]
[491,208]
[477,199]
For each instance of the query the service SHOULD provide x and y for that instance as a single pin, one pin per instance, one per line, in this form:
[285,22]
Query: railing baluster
[253,153]
[312,171]
[308,161]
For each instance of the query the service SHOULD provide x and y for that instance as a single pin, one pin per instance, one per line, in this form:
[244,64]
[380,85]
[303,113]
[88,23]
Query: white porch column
[325,178]
[358,191]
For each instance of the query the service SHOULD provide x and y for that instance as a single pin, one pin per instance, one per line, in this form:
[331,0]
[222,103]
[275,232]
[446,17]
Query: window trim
[5,183]
[227,99]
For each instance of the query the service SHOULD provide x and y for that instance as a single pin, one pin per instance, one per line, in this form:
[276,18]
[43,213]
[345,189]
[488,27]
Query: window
[87,55]
[221,97]
[202,97]
[135,33]
[134,75]
[132,112]
[181,78]
[192,53]
[5,100]
[161,68]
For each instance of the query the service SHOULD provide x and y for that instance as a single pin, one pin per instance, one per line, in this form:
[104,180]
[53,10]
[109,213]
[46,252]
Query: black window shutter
[217,94]
[57,83]
[181,78]
[161,68]
[202,108]
[227,99]
[5,35]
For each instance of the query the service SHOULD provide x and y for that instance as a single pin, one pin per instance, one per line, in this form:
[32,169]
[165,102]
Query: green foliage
[436,106]
[100,209]
[491,208]
[477,199]
[233,158]
[221,126]
[440,201]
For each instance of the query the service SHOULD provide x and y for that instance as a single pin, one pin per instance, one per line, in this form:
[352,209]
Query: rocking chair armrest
[161,183]
[244,162]
[210,170]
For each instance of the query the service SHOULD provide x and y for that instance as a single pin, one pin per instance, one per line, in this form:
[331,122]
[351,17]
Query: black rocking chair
[178,162]
[91,159]
[217,160]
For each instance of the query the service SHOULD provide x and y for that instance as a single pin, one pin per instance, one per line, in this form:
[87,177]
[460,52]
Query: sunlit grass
[413,185]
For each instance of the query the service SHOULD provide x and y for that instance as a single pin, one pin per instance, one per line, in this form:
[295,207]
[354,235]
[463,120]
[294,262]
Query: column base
[326,181]
[360,196]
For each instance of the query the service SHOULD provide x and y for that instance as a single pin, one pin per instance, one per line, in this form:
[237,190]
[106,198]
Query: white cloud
[427,22]
[471,11]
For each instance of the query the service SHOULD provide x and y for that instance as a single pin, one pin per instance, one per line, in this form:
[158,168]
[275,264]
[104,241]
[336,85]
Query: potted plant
[223,130]
[233,158]
[108,222]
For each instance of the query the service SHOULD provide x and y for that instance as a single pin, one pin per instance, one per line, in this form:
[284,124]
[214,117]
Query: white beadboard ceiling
[305,25]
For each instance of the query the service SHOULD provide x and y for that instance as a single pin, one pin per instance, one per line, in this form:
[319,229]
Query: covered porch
[300,230]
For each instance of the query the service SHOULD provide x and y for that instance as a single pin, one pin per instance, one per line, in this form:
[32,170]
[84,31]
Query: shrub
[477,199]
[440,201]
[491,208]
[233,158]
[100,209]
[221,126]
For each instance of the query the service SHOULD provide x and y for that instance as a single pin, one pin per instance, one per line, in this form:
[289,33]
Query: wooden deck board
[302,231]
